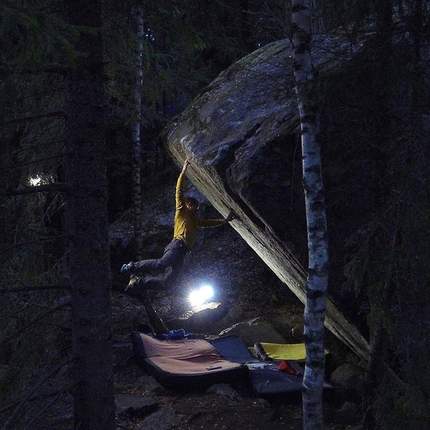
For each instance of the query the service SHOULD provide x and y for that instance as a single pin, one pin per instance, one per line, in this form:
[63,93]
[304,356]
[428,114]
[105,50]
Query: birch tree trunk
[94,406]
[317,280]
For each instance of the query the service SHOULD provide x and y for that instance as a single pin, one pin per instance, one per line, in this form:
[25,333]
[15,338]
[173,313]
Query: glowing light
[35,180]
[203,294]
[40,179]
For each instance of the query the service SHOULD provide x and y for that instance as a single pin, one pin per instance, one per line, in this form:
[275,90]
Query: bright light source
[203,294]
[40,179]
[35,180]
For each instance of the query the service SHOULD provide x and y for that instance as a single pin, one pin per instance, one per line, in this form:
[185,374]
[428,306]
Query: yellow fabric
[187,223]
[283,351]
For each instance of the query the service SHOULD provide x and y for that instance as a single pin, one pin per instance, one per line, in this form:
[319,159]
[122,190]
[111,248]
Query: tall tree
[316,288]
[94,405]
[136,132]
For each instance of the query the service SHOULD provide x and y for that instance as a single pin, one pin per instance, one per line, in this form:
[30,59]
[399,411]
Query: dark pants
[172,259]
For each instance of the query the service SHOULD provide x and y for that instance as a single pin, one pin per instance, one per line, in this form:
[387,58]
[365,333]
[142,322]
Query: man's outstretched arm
[231,216]
[185,166]
[202,223]
[179,194]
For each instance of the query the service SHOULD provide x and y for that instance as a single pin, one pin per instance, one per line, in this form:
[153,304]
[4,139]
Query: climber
[163,272]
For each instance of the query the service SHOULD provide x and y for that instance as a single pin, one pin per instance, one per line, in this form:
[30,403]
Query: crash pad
[232,348]
[186,363]
[281,351]
[265,379]
[195,364]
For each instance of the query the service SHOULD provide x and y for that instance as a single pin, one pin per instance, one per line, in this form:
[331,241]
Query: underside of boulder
[242,138]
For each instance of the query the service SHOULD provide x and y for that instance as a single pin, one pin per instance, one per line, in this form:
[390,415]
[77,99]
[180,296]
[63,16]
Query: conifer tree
[90,282]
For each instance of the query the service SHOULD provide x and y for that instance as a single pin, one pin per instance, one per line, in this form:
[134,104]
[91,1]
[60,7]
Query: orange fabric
[187,356]
[284,366]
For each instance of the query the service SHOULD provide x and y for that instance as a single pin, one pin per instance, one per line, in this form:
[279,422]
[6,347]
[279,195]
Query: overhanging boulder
[241,134]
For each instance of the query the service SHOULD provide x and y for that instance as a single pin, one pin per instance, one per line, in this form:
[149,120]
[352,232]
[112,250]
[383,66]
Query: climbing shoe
[133,281]
[127,267]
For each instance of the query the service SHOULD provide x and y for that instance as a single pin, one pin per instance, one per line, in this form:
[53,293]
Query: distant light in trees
[40,179]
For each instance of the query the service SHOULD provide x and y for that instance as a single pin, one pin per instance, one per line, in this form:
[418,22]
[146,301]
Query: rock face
[241,135]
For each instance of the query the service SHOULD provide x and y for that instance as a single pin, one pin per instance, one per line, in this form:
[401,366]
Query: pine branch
[47,407]
[40,160]
[35,321]
[36,117]
[30,395]
[56,186]
[28,242]
[34,288]
[12,405]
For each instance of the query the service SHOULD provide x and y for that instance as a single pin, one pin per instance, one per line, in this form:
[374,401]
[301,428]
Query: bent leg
[150,282]
[174,255]
[173,273]
[153,266]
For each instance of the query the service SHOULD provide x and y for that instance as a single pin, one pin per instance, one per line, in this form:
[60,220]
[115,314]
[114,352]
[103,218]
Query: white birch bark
[317,280]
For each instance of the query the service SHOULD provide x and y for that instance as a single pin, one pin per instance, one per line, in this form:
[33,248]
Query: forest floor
[193,410]
[215,411]
[224,260]
[259,294]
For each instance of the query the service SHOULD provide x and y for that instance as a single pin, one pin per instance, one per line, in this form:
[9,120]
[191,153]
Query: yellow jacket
[186,222]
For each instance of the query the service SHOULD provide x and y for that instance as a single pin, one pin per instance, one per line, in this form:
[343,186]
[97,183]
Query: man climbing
[163,272]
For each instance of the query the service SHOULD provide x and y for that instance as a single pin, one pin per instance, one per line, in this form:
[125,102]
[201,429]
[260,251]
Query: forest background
[68,77]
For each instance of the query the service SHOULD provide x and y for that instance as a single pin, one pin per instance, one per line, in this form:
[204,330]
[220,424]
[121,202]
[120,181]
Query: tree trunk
[374,374]
[136,135]
[157,323]
[417,30]
[317,280]
[94,406]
